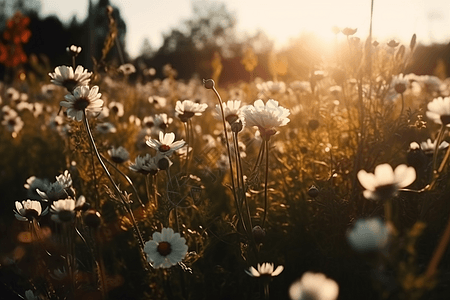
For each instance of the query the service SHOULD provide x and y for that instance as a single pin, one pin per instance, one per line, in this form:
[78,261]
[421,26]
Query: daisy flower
[29,295]
[127,69]
[166,144]
[73,50]
[429,146]
[116,108]
[105,128]
[314,286]
[54,191]
[157,101]
[66,77]
[119,155]
[266,116]
[8,112]
[33,183]
[399,83]
[439,110]
[28,210]
[82,99]
[148,122]
[272,87]
[162,121]
[231,110]
[384,183]
[65,179]
[166,249]
[13,124]
[368,234]
[12,94]
[64,210]
[145,165]
[187,109]
[266,269]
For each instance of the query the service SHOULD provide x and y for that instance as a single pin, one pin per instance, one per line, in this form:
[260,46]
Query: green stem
[133,220]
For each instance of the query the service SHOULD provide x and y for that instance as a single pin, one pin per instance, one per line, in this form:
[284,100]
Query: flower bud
[313,191]
[259,234]
[393,43]
[415,156]
[163,163]
[92,218]
[208,83]
[237,126]
[313,124]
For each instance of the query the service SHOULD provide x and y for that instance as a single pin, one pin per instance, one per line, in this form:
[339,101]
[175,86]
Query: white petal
[404,175]
[384,174]
[278,271]
[367,180]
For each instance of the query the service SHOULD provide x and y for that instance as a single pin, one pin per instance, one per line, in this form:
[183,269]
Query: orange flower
[16,29]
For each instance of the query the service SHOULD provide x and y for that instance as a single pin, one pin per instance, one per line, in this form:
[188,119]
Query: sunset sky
[281,20]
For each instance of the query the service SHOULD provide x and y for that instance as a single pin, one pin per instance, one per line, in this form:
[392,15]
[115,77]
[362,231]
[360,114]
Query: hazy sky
[281,19]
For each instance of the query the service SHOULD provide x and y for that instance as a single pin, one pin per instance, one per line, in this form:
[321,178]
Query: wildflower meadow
[118,183]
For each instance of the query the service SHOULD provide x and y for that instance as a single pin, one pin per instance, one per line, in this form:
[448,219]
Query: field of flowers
[335,187]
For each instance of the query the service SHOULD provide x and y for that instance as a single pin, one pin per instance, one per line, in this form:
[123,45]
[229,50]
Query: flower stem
[403,105]
[436,147]
[188,142]
[266,198]
[126,178]
[133,220]
[147,187]
[229,152]
[439,252]
[240,178]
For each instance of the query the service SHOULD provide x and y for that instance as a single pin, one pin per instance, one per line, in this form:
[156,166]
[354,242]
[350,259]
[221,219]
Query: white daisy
[385,182]
[148,121]
[162,121]
[439,110]
[399,83]
[8,112]
[187,109]
[166,144]
[368,234]
[166,249]
[116,108]
[29,295]
[266,116]
[127,69]
[314,286]
[54,191]
[63,210]
[33,183]
[272,87]
[105,128]
[73,50]
[231,110]
[82,99]
[66,77]
[65,179]
[145,165]
[28,210]
[429,146]
[266,269]
[157,101]
[119,155]
[13,124]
